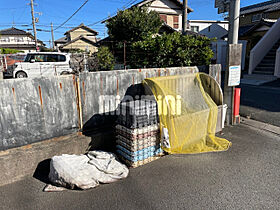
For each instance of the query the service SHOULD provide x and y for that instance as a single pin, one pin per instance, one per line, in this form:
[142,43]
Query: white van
[43,64]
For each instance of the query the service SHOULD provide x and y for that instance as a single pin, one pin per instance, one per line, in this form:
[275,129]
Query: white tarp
[86,171]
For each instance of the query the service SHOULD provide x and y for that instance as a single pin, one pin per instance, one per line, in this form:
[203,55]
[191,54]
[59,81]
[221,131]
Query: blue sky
[17,13]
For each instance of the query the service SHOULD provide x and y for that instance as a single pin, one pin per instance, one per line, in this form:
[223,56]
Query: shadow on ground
[42,171]
[259,97]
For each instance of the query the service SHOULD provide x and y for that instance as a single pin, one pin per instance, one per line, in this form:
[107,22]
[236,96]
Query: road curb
[18,163]
[260,125]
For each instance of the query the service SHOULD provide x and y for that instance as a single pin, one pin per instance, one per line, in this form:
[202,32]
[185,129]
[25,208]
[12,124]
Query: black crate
[139,107]
[138,114]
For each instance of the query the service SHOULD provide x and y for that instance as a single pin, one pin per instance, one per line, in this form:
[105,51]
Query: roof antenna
[13,23]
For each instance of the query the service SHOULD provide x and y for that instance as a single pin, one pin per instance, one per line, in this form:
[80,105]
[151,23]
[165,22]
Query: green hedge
[170,50]
[8,51]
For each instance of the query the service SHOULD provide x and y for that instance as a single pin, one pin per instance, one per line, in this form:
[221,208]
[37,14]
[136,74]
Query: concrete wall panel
[36,109]
[32,110]
[115,83]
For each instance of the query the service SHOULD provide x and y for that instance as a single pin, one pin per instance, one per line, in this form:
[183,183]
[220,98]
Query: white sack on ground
[86,171]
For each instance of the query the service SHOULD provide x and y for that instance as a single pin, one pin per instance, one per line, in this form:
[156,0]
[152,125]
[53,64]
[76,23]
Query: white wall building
[17,39]
[210,28]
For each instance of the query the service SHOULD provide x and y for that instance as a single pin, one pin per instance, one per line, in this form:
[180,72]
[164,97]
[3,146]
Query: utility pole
[234,56]
[234,13]
[52,36]
[34,24]
[185,16]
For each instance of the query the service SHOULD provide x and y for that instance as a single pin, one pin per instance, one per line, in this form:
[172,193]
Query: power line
[129,3]
[72,15]
[14,8]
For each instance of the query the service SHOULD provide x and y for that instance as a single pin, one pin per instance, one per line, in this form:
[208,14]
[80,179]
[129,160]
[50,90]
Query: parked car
[7,63]
[43,64]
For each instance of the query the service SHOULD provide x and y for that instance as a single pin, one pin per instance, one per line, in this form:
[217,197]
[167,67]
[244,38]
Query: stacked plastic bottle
[138,136]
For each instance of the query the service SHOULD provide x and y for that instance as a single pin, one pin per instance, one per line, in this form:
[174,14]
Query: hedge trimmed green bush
[8,51]
[171,50]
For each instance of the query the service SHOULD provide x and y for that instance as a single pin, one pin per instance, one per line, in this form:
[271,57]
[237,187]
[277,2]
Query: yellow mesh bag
[188,112]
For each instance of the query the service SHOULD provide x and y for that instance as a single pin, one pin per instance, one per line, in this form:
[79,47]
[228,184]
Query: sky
[17,13]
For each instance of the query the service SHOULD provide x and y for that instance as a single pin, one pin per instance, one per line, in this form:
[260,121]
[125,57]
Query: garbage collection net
[188,115]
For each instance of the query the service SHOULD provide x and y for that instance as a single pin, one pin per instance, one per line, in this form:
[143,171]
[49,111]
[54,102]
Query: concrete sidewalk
[245,177]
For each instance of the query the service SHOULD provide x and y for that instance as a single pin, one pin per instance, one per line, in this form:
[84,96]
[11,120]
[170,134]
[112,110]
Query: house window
[176,22]
[164,18]
[18,39]
[170,20]
[256,18]
[5,40]
[195,28]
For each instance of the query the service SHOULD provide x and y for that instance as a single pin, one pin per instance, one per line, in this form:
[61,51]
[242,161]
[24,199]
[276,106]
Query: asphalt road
[245,177]
[261,103]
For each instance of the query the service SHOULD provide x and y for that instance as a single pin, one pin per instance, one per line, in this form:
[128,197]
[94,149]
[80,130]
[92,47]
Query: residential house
[210,28]
[79,38]
[170,11]
[256,20]
[260,26]
[255,13]
[17,39]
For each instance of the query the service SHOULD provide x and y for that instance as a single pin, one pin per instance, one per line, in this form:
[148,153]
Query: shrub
[8,51]
[170,50]
[105,59]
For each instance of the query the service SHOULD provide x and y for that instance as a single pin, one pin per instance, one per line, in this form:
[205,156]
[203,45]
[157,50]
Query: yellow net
[188,115]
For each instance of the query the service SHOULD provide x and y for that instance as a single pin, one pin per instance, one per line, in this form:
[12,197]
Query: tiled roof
[16,31]
[274,8]
[85,38]
[244,30]
[178,2]
[267,6]
[84,27]
[13,31]
[16,46]
[141,3]
[61,40]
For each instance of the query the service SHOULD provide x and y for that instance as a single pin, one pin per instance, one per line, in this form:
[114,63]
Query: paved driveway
[245,177]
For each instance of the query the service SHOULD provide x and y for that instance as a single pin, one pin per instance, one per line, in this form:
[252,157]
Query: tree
[105,59]
[139,29]
[133,24]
